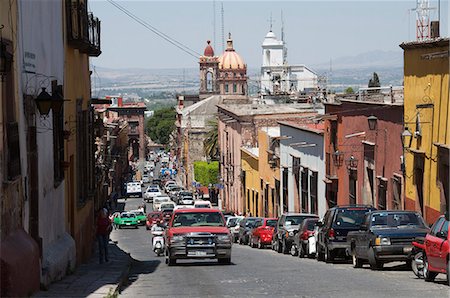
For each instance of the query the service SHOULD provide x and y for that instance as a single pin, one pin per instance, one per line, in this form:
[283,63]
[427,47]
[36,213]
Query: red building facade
[363,153]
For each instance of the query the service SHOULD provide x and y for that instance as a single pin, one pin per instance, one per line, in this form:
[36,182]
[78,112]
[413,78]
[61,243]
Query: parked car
[333,230]
[262,232]
[150,193]
[304,237]
[198,234]
[151,219]
[385,236]
[125,219]
[233,226]
[140,216]
[287,226]
[245,226]
[436,259]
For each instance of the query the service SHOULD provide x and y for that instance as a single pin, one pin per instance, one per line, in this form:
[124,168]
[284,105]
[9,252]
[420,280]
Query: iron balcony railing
[83,28]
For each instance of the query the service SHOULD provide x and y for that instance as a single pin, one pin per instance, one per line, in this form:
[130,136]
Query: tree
[374,81]
[210,144]
[349,90]
[206,173]
[161,125]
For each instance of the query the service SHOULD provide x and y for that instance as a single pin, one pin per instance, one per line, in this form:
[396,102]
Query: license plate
[197,253]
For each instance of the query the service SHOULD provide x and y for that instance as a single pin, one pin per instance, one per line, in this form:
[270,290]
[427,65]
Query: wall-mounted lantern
[352,162]
[372,120]
[338,158]
[44,102]
[406,138]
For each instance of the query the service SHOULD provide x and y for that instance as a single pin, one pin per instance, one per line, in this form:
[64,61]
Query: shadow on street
[202,264]
[138,268]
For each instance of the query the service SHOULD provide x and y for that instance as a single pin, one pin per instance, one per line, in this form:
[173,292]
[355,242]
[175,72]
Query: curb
[124,276]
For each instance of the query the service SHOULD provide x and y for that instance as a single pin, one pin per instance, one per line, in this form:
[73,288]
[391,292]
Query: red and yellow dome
[230,59]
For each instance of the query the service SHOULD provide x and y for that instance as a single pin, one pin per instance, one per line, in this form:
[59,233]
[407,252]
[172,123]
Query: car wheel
[417,264]
[293,250]
[427,274]
[374,263]
[329,255]
[279,247]
[120,227]
[319,253]
[301,251]
[357,262]
[250,242]
[286,249]
[171,261]
[224,261]
[260,246]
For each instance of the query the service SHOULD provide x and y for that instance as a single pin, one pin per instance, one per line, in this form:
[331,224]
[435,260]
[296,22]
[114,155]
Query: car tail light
[305,235]
[331,234]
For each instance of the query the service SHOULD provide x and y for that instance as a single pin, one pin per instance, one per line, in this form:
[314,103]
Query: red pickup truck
[198,233]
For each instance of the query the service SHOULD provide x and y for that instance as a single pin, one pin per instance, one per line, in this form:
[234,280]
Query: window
[352,186]
[285,189]
[58,139]
[226,88]
[296,171]
[396,193]
[209,81]
[333,134]
[418,178]
[436,227]
[382,188]
[369,178]
[313,188]
[234,88]
[305,190]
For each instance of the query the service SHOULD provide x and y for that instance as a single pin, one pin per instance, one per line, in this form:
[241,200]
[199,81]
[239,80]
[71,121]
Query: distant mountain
[372,59]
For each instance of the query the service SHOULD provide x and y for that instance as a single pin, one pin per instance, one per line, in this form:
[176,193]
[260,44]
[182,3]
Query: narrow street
[260,272]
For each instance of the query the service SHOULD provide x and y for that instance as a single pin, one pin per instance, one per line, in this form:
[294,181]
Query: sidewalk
[93,279]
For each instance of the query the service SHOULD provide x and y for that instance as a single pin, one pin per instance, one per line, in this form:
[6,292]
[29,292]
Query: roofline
[306,129]
[432,43]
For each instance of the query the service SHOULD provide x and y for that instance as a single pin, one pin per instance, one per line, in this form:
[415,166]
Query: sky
[315,31]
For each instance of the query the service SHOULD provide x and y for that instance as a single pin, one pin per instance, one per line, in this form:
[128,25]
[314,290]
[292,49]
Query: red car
[436,258]
[151,218]
[197,233]
[262,232]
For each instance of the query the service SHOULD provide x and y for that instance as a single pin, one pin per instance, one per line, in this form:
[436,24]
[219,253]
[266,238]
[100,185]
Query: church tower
[209,67]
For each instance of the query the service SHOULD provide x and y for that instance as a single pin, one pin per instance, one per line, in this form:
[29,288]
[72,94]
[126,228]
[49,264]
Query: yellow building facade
[426,137]
[250,181]
[269,170]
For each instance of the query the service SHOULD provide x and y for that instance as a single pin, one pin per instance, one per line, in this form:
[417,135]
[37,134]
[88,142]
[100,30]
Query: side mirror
[441,235]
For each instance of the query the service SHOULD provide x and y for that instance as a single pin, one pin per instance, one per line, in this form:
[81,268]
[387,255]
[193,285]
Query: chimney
[434,29]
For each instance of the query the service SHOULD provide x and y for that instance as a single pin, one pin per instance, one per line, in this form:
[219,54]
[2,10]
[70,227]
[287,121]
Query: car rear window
[296,219]
[271,223]
[311,225]
[397,220]
[349,218]
[198,219]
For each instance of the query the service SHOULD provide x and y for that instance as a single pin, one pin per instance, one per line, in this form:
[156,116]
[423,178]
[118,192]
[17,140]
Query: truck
[134,189]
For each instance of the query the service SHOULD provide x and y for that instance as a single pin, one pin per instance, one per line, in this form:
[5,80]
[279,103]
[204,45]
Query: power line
[164,36]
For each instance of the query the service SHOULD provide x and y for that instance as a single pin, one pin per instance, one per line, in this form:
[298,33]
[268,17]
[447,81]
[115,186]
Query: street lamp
[372,120]
[338,158]
[406,138]
[44,102]
[352,162]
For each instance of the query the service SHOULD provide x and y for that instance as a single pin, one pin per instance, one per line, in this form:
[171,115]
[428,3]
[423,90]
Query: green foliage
[206,173]
[161,125]
[211,143]
[349,90]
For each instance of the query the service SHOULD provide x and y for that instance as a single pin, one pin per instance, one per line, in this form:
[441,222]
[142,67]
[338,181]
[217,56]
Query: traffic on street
[181,249]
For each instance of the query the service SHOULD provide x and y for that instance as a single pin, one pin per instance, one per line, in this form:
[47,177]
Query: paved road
[261,272]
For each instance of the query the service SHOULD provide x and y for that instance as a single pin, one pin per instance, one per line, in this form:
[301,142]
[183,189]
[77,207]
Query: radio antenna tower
[283,40]
[223,28]
[423,19]
[214,24]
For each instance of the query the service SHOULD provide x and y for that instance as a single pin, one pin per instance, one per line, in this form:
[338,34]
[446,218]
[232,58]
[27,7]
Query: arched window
[209,82]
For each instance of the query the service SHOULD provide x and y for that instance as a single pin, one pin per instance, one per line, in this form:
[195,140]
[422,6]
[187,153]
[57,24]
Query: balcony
[83,29]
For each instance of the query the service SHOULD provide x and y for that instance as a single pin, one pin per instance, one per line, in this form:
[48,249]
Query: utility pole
[214,24]
[223,28]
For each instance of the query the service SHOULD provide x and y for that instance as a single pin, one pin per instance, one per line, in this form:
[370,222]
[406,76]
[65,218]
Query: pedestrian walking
[103,229]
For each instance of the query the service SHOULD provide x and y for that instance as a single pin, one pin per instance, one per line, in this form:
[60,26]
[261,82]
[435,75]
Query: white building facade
[277,76]
[302,168]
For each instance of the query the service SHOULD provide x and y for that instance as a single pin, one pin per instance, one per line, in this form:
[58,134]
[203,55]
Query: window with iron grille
[58,141]
[382,189]
[313,192]
[85,154]
[305,190]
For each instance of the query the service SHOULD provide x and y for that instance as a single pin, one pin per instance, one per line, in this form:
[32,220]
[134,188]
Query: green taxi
[141,217]
[125,219]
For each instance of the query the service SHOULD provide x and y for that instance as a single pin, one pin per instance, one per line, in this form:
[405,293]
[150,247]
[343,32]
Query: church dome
[209,51]
[230,59]
[271,40]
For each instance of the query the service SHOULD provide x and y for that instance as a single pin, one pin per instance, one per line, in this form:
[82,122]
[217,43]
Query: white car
[167,205]
[202,204]
[187,200]
[150,193]
[157,201]
[183,207]
[145,178]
